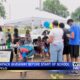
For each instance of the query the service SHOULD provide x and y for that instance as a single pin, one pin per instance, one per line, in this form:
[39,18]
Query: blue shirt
[76,29]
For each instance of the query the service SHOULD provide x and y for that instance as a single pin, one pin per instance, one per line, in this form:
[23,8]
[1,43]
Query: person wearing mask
[74,40]
[66,51]
[56,43]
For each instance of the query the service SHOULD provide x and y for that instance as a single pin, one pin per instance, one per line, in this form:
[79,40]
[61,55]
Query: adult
[2,37]
[74,40]
[56,43]
[8,33]
[9,38]
[15,39]
[66,51]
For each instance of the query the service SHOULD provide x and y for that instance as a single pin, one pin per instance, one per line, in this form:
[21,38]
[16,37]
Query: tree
[2,10]
[55,7]
[76,14]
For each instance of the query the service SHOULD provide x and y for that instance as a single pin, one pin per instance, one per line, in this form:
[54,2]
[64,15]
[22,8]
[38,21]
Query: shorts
[66,50]
[74,51]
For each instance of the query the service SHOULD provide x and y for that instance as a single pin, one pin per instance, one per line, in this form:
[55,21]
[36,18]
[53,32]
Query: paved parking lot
[36,74]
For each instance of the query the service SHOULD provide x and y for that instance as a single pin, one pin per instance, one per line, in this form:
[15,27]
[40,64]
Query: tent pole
[32,25]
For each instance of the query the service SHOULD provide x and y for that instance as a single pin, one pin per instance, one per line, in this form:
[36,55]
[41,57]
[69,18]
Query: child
[27,37]
[40,45]
[46,47]
[25,41]
[35,41]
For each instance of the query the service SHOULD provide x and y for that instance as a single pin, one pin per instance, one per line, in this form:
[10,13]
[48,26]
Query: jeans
[56,52]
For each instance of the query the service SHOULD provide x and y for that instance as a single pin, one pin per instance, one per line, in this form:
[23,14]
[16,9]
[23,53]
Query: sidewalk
[30,75]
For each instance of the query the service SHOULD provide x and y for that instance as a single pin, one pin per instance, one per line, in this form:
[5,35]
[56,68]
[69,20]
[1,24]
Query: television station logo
[76,65]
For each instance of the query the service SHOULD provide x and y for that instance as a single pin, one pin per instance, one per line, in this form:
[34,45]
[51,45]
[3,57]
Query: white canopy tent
[35,18]
[2,21]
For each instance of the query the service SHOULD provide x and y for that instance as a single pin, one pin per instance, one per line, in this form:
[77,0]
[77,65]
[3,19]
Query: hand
[68,35]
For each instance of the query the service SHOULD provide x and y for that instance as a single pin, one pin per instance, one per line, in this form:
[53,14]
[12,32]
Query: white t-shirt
[2,38]
[57,34]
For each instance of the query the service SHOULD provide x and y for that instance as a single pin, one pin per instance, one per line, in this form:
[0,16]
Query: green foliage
[36,27]
[2,10]
[76,14]
[55,7]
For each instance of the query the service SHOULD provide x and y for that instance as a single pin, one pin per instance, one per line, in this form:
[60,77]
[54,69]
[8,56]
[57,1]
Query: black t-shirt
[45,37]
[15,35]
[66,39]
[9,36]
[46,44]
[16,38]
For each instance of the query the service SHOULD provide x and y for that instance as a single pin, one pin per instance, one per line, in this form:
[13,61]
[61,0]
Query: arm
[50,40]
[71,35]
[13,39]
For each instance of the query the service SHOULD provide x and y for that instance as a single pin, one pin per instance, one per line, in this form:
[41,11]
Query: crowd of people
[62,45]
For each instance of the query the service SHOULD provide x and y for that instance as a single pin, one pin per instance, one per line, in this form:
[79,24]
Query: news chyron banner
[76,65]
[39,66]
[36,66]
